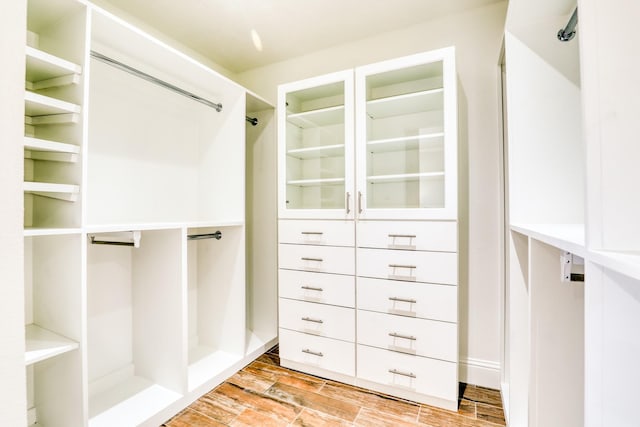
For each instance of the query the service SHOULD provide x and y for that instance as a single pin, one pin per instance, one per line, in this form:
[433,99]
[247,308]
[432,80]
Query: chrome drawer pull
[406,337]
[315,353]
[311,259]
[404,374]
[409,300]
[402,266]
[309,319]
[407,236]
[312,232]
[310,288]
[348,202]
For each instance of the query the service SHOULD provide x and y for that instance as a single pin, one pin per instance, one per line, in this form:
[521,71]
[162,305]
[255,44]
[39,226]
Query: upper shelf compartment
[410,103]
[45,70]
[321,117]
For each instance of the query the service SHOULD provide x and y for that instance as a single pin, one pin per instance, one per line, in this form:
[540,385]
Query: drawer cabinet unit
[368,226]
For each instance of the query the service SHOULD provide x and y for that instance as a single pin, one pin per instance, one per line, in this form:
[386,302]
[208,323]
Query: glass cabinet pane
[315,148]
[405,161]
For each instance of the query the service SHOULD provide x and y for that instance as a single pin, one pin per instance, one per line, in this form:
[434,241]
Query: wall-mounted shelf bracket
[572,268]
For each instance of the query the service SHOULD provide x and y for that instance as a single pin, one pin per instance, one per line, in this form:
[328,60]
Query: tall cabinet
[368,226]
[137,297]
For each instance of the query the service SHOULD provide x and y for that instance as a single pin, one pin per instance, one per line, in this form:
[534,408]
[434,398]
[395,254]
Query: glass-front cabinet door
[406,138]
[315,145]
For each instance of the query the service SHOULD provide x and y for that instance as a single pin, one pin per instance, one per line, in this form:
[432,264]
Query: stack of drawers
[407,309]
[317,296]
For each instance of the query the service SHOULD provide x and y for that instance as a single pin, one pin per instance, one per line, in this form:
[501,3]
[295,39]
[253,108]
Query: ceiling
[245,34]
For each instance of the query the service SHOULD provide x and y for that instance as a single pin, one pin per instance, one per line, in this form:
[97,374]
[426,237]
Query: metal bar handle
[359,202]
[311,259]
[402,266]
[311,288]
[405,374]
[312,232]
[406,337]
[348,202]
[409,300]
[315,353]
[310,319]
[408,236]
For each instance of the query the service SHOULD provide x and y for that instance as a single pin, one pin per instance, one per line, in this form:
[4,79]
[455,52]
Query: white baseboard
[485,373]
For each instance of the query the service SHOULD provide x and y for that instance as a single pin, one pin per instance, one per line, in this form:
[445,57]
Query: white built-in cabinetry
[368,240]
[139,296]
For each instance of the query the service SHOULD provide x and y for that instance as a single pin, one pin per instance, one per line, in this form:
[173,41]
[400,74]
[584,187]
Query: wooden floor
[263,394]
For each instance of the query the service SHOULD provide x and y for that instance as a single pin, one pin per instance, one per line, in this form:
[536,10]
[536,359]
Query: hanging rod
[155,80]
[217,235]
[129,238]
[567,33]
[252,120]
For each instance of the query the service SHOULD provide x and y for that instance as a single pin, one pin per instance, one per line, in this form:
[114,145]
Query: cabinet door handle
[348,202]
[310,319]
[359,202]
[315,353]
[312,232]
[409,300]
[311,288]
[404,374]
[407,236]
[311,259]
[402,266]
[406,337]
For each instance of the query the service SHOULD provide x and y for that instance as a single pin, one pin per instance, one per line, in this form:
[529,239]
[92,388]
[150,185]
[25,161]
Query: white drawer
[310,232]
[412,235]
[318,319]
[322,259]
[334,289]
[325,353]
[431,377]
[424,300]
[422,337]
[430,267]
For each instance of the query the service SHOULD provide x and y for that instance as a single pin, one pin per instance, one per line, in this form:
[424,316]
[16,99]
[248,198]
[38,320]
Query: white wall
[477,35]
[12,371]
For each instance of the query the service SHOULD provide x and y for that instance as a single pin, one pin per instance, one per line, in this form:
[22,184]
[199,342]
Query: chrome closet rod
[217,235]
[155,80]
[252,120]
[569,31]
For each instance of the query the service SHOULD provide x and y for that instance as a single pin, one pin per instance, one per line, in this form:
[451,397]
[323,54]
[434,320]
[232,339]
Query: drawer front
[411,235]
[431,377]
[409,335]
[318,319]
[309,232]
[321,259]
[429,267]
[320,352]
[423,300]
[334,289]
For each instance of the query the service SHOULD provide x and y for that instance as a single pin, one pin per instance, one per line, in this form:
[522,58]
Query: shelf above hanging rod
[217,235]
[127,238]
[155,80]
[252,120]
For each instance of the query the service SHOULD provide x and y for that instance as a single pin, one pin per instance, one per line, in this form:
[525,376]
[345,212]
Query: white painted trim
[485,373]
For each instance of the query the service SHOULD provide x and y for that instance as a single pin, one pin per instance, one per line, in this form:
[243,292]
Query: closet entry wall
[138,296]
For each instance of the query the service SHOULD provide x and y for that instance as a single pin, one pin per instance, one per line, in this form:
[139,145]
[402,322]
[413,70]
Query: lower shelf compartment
[67,192]
[206,363]
[130,403]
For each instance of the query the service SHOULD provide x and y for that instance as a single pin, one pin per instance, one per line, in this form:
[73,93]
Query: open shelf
[316,182]
[410,103]
[48,231]
[131,402]
[406,177]
[568,237]
[432,141]
[67,192]
[37,144]
[45,70]
[317,152]
[320,117]
[40,105]
[206,363]
[626,263]
[42,344]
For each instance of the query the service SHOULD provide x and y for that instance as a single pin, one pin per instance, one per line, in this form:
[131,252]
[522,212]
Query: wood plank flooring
[264,394]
